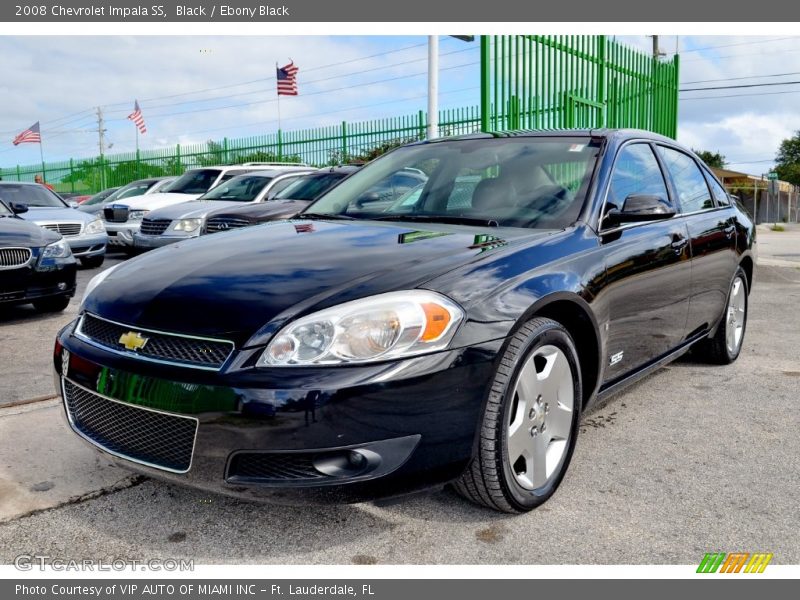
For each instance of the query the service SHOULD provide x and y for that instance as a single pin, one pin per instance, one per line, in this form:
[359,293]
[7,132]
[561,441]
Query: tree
[788,160]
[712,159]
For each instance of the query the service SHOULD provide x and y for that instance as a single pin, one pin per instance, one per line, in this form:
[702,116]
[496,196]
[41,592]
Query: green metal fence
[527,82]
[567,81]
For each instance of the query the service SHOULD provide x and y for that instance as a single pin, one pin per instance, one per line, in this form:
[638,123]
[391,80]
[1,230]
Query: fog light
[347,463]
[62,286]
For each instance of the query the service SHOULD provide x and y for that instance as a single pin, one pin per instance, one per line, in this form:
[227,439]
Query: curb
[28,401]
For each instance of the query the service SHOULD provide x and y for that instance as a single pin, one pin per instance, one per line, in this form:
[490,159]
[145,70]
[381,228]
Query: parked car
[186,220]
[353,354]
[85,234]
[93,204]
[286,204]
[140,187]
[124,216]
[36,264]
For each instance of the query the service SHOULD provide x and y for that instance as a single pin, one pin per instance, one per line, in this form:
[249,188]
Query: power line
[740,78]
[739,95]
[740,86]
[767,41]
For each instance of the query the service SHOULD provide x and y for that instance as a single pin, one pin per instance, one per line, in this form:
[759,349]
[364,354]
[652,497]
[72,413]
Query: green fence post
[178,169]
[72,175]
[280,145]
[601,78]
[485,83]
[138,163]
[225,150]
[19,175]
[345,157]
[423,125]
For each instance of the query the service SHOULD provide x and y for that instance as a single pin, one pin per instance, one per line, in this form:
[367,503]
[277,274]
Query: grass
[777,227]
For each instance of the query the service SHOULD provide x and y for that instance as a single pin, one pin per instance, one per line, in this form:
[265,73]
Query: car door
[648,271]
[712,235]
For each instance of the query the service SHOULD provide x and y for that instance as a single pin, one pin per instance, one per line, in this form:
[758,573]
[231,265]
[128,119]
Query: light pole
[433,87]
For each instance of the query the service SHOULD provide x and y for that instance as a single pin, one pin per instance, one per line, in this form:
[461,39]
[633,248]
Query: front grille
[281,466]
[216,224]
[167,347]
[154,226]
[11,258]
[64,228]
[115,215]
[146,436]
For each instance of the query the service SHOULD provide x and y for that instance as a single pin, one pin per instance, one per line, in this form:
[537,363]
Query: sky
[195,88]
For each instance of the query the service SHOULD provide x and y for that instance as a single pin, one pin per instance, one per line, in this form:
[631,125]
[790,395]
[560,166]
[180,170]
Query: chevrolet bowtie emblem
[133,340]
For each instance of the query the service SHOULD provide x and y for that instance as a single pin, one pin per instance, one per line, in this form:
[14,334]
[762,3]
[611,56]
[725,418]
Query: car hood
[16,232]
[231,285]
[39,214]
[195,209]
[264,211]
[154,201]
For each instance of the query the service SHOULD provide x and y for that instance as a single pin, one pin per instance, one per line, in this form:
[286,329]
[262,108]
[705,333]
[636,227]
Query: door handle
[678,244]
[729,231]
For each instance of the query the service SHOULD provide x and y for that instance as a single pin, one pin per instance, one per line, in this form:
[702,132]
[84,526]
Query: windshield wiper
[329,217]
[447,219]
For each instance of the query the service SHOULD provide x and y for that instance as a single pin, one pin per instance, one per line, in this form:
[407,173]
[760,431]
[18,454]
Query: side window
[280,186]
[636,172]
[720,195]
[693,192]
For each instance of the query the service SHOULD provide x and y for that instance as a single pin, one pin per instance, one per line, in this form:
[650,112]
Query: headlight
[95,226]
[187,225]
[382,327]
[94,282]
[137,215]
[59,249]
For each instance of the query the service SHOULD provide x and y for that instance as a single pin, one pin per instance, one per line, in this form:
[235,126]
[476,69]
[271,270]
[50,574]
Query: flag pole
[41,155]
[279,96]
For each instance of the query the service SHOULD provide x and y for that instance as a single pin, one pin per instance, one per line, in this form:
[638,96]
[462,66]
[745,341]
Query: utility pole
[433,86]
[101,143]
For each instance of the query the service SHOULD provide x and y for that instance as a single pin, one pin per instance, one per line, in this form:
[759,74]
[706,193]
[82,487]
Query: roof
[598,132]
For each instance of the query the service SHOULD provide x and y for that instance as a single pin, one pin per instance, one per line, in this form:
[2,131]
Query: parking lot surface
[692,459]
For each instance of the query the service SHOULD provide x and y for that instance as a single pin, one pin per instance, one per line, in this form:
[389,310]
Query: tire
[51,304]
[93,262]
[725,345]
[530,389]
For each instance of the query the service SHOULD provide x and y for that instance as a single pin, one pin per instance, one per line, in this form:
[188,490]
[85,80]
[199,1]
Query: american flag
[31,135]
[287,80]
[137,118]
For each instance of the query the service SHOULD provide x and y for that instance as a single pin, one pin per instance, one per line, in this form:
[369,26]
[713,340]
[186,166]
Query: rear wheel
[726,344]
[52,304]
[530,423]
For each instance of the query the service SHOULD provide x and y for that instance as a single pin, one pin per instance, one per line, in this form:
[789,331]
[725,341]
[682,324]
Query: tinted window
[30,195]
[689,182]
[311,188]
[244,188]
[720,195]
[280,186]
[133,189]
[636,172]
[198,181]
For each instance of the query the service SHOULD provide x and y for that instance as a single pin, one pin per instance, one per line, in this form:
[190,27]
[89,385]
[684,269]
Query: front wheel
[51,304]
[530,423]
[726,344]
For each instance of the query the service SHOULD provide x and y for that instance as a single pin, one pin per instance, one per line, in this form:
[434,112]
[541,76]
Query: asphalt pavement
[693,459]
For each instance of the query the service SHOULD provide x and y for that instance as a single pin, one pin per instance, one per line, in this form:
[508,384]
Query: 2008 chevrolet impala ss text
[379,344]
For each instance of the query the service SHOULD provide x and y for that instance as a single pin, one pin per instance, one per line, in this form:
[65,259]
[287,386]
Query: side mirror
[18,208]
[73,204]
[639,208]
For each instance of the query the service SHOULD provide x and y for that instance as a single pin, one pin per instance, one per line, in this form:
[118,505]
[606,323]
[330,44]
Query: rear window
[244,188]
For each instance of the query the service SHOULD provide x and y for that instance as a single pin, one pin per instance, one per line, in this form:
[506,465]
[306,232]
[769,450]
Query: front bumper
[149,242]
[121,234]
[288,435]
[87,245]
[55,278]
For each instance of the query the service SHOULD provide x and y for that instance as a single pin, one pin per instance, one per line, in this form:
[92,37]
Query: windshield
[5,211]
[311,187]
[197,181]
[536,182]
[136,188]
[243,188]
[30,195]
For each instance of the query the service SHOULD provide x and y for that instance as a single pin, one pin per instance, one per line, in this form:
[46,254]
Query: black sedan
[284,205]
[36,264]
[455,337]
